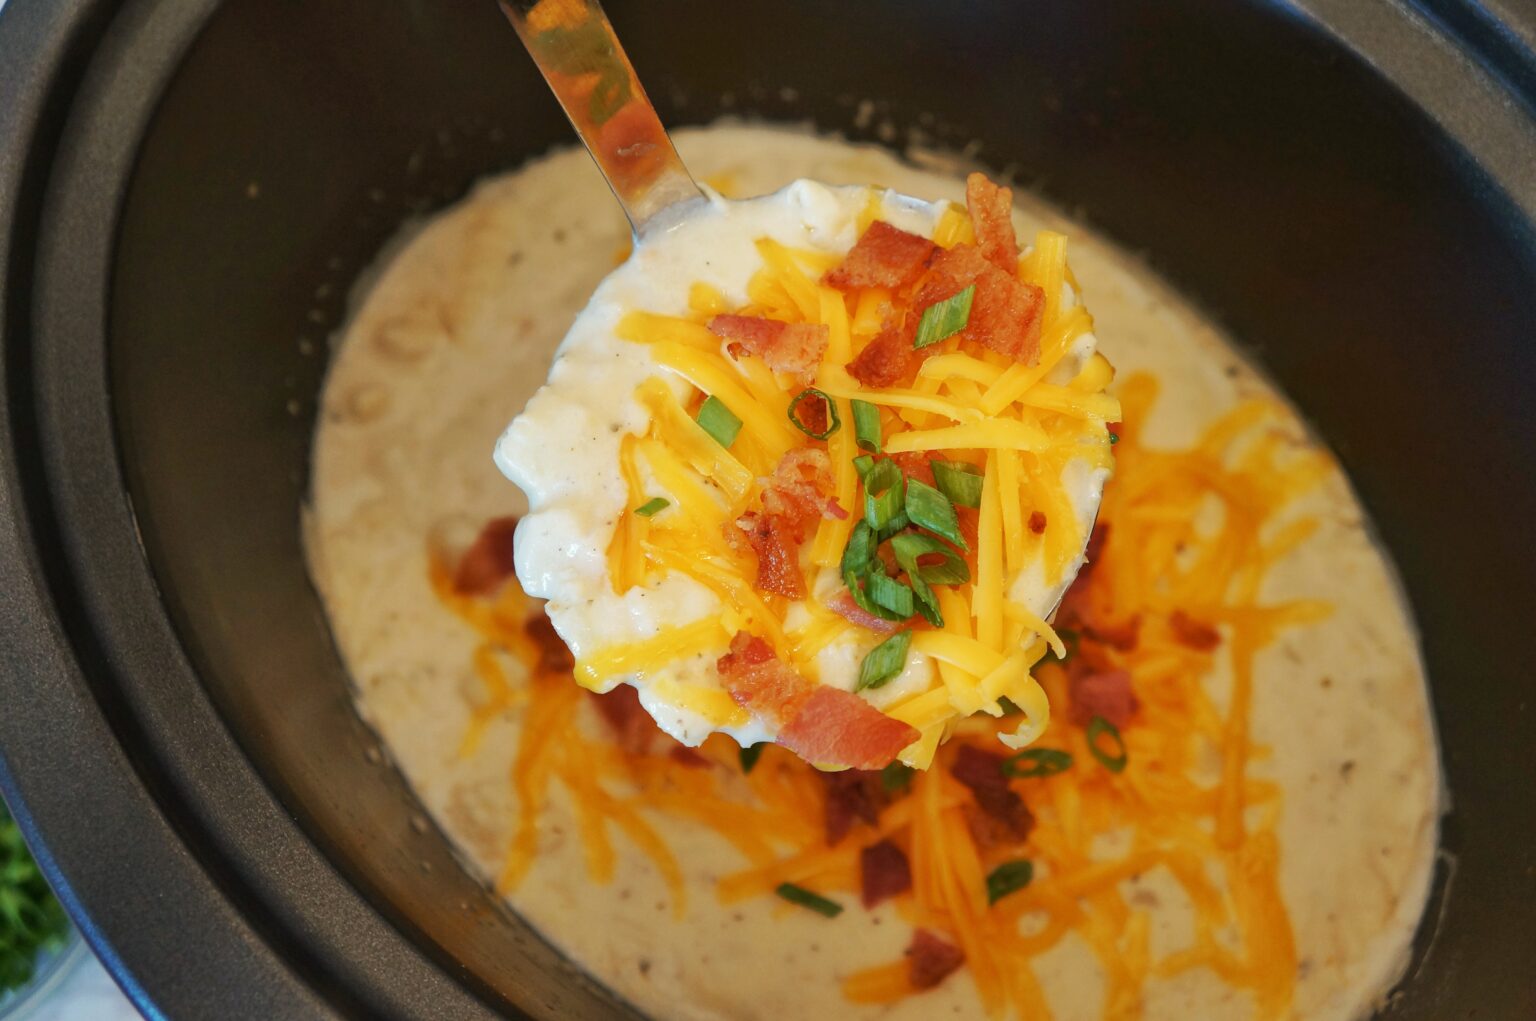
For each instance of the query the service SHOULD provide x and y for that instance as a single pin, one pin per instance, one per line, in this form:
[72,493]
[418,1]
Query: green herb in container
[31,920]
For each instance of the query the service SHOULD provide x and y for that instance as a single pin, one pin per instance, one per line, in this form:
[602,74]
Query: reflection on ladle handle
[580,57]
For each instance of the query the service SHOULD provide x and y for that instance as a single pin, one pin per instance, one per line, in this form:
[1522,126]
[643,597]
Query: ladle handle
[577,52]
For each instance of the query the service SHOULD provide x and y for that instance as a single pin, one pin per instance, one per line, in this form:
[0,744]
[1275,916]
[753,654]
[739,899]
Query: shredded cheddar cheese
[1211,832]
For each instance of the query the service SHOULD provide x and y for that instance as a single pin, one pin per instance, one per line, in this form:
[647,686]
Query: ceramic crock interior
[1267,174]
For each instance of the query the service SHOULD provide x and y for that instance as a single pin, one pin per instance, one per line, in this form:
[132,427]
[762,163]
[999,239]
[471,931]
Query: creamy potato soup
[1231,812]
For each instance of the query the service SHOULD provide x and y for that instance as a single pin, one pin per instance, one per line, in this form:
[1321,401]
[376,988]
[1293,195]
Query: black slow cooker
[188,188]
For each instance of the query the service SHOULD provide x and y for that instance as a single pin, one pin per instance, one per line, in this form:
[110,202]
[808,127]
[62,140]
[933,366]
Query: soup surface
[1263,850]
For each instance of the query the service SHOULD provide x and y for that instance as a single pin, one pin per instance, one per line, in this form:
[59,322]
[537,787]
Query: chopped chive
[862,464]
[1009,877]
[719,421]
[884,489]
[866,426]
[827,418]
[944,318]
[958,480]
[889,593]
[807,899]
[653,505]
[884,661]
[896,777]
[1097,728]
[859,562]
[928,508]
[750,754]
[1033,762]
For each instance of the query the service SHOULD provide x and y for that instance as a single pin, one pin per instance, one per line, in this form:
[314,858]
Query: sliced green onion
[807,899]
[884,661]
[1113,439]
[609,96]
[862,464]
[1008,707]
[750,754]
[859,562]
[889,593]
[884,489]
[719,421]
[908,546]
[944,318]
[1009,877]
[893,526]
[928,508]
[653,505]
[958,480]
[830,414]
[896,777]
[1033,762]
[1097,728]
[866,426]
[952,570]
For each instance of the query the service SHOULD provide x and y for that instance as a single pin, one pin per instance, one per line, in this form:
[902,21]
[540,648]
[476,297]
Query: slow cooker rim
[79,707]
[249,924]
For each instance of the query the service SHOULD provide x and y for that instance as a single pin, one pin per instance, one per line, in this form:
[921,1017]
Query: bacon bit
[798,490]
[930,960]
[851,794]
[835,510]
[1115,430]
[777,548]
[884,872]
[1006,313]
[633,728]
[1193,633]
[795,348]
[1037,522]
[991,209]
[885,256]
[488,561]
[915,465]
[889,358]
[814,415]
[844,606]
[1106,693]
[554,655]
[819,724]
[1122,635]
[982,772]
[759,682]
[839,728]
[688,758]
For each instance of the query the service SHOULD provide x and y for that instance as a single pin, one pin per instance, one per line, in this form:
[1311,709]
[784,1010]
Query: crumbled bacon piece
[819,724]
[798,489]
[839,728]
[633,728]
[759,682]
[1122,635]
[488,561]
[1196,634]
[795,348]
[777,546]
[889,358]
[1005,312]
[930,960]
[554,655]
[883,872]
[1037,522]
[915,465]
[852,794]
[844,606]
[885,256]
[982,772]
[991,209]
[1105,693]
